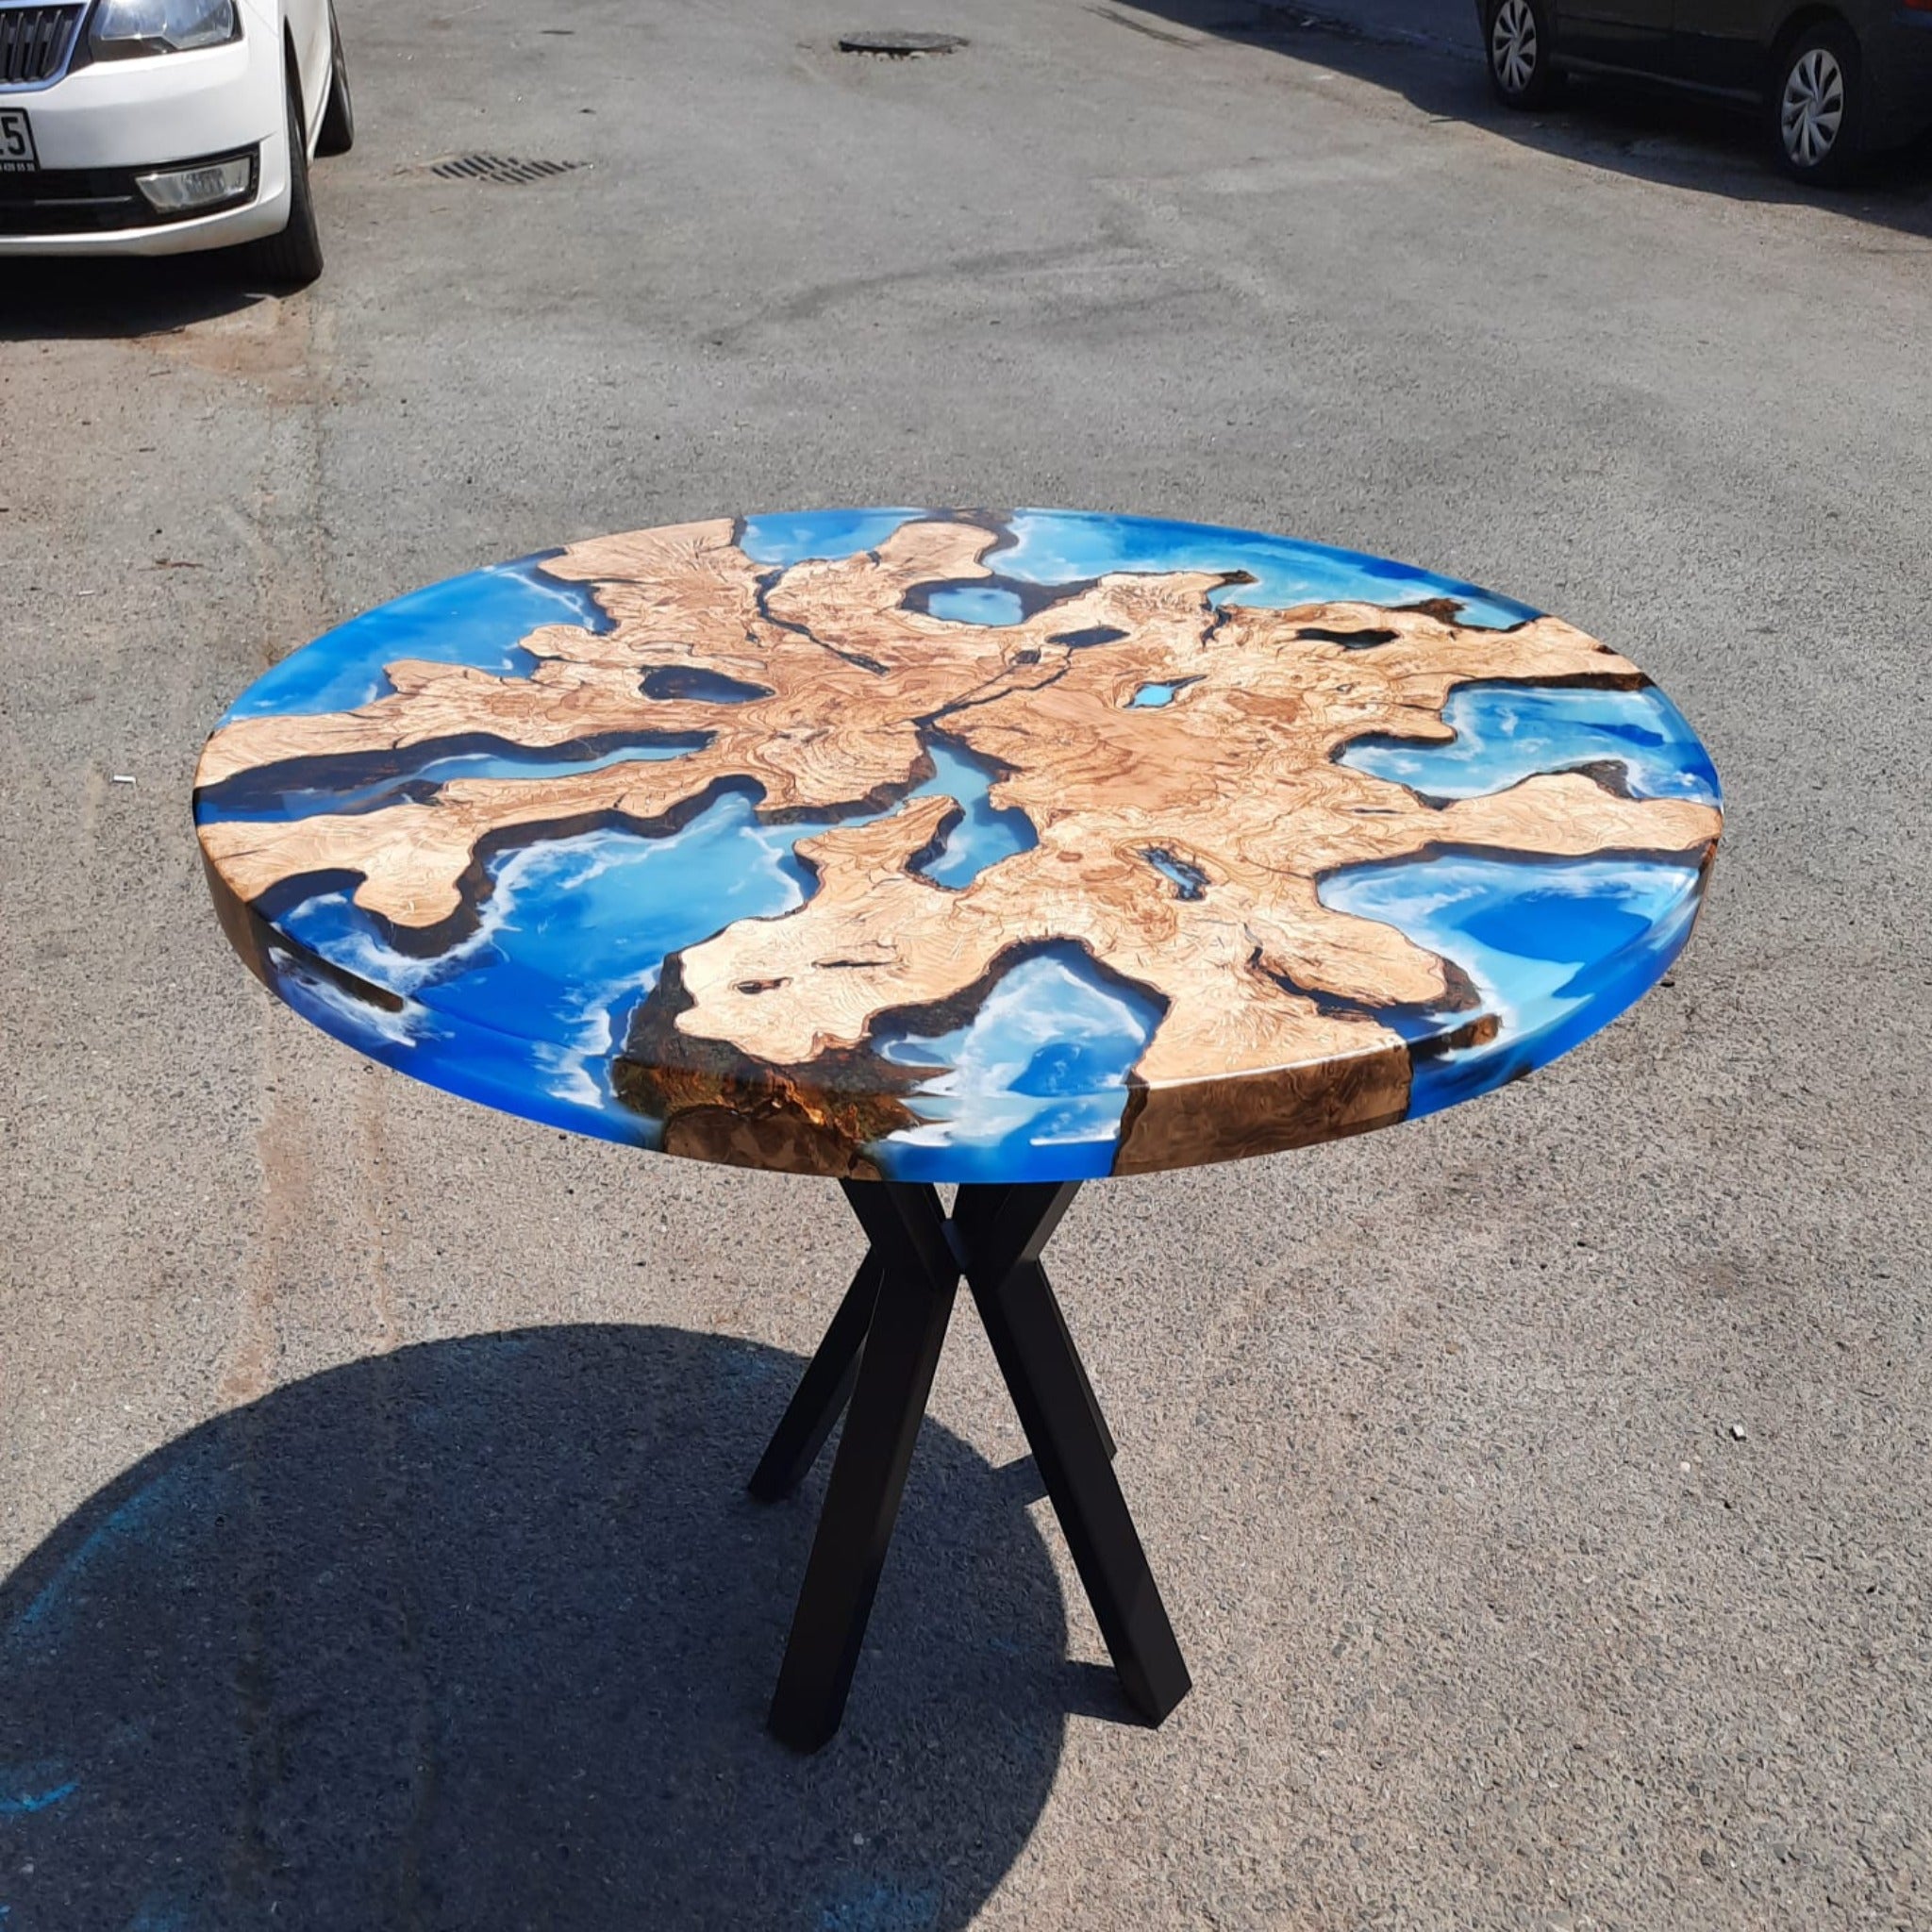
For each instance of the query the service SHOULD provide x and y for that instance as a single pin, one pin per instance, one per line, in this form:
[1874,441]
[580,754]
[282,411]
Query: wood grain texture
[1274,1029]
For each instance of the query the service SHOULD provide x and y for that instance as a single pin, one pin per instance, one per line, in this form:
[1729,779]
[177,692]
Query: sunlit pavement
[1537,1490]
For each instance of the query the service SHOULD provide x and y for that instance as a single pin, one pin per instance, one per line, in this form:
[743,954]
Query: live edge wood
[1270,1035]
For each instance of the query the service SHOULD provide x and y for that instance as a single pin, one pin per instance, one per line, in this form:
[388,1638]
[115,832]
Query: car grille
[35,42]
[61,201]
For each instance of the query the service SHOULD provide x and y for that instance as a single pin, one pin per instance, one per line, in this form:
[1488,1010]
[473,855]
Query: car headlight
[122,28]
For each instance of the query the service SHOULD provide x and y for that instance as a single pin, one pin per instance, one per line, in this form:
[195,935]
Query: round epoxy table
[903,848]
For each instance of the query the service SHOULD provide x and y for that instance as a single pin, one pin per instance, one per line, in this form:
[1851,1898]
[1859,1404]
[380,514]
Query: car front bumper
[107,119]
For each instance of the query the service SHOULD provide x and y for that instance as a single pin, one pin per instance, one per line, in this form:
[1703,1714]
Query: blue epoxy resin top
[957,845]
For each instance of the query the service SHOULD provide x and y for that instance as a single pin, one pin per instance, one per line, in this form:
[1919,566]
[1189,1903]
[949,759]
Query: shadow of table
[480,1634]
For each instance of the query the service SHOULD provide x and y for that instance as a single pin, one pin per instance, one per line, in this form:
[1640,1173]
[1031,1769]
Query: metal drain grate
[506,169]
[898,45]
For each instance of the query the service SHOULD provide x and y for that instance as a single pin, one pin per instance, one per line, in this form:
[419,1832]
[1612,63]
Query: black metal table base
[877,1360]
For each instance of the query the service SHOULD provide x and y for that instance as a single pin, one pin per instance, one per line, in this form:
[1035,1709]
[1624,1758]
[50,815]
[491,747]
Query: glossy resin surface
[957,845]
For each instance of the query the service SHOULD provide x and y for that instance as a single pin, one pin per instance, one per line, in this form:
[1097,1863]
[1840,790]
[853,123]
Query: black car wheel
[1519,44]
[291,260]
[336,134]
[1817,104]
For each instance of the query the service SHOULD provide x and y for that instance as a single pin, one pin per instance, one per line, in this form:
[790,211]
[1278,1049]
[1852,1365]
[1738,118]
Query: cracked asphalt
[1539,1491]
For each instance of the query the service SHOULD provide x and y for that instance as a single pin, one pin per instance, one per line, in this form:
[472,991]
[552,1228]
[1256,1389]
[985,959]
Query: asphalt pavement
[1438,24]
[1539,1491]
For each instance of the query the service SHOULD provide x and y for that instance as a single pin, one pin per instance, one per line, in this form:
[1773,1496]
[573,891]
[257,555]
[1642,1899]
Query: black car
[1835,82]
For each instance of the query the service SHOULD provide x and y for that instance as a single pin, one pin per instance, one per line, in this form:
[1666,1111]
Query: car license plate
[17,155]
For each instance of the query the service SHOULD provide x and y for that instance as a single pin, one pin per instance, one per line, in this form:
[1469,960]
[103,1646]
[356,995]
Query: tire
[291,260]
[1817,122]
[1518,51]
[336,134]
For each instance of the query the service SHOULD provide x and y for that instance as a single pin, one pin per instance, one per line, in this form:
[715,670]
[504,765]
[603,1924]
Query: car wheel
[336,134]
[1519,44]
[1817,104]
[291,260]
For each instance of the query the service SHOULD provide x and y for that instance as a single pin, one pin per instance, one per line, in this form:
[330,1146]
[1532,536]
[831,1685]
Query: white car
[157,126]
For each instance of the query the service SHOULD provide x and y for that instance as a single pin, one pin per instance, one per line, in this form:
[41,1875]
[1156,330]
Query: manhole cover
[506,169]
[898,45]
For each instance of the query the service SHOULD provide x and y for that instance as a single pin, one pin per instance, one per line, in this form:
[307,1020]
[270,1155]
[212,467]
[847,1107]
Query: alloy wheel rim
[1813,108]
[1513,45]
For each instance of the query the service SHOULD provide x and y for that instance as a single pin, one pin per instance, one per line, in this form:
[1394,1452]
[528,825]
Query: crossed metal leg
[879,1356]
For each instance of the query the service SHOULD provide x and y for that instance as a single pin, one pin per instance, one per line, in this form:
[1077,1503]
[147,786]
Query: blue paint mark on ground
[19,1800]
[880,1906]
[479,620]
[158,1913]
[134,1519]
[1506,733]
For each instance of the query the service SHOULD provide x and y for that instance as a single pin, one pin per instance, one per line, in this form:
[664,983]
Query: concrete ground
[1539,1491]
